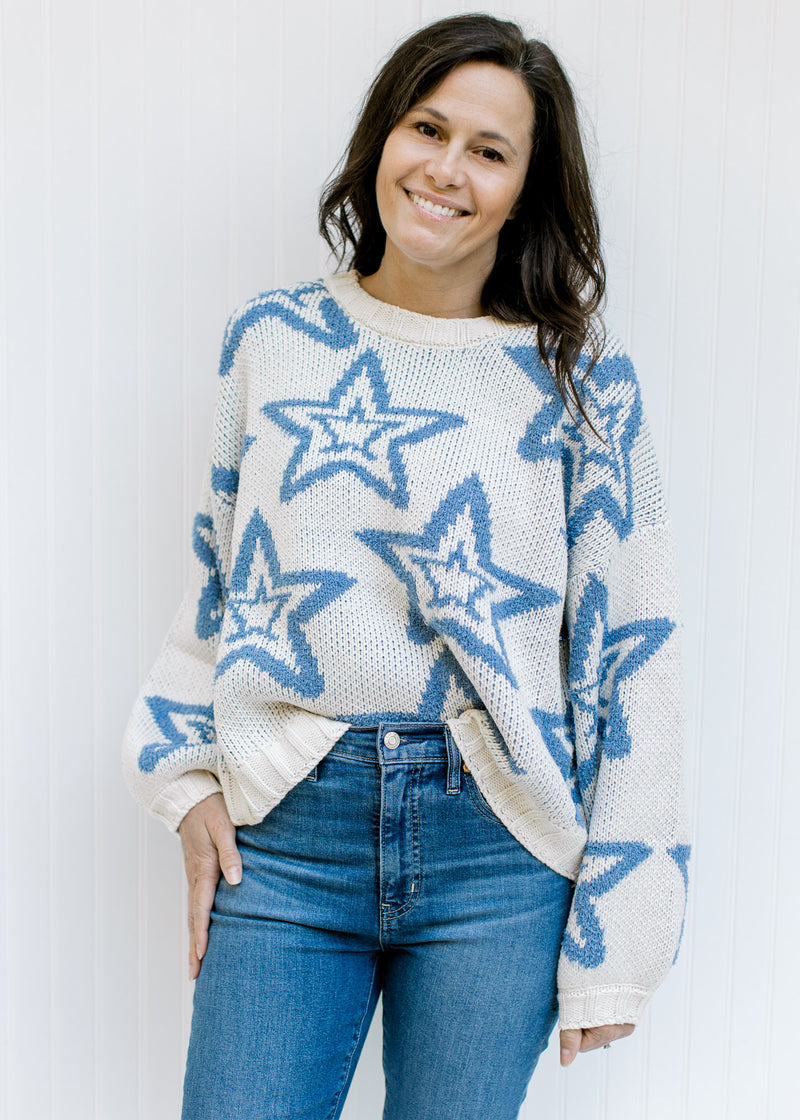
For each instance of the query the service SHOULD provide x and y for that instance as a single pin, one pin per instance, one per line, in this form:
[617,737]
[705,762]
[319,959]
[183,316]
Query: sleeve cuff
[600,1007]
[176,799]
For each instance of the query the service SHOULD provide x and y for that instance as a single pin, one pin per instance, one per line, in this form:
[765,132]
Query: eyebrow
[486,135]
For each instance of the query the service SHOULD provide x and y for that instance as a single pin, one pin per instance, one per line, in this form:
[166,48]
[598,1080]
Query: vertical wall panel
[29,383]
[161,539]
[115,483]
[159,164]
[74,896]
[5,603]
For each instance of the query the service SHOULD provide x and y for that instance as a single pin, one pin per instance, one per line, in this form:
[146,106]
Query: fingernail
[199,952]
[565,1057]
[234,876]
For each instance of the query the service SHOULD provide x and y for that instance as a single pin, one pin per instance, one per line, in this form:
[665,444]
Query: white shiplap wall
[159,163]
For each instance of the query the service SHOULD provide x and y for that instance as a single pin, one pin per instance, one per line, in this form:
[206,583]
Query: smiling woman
[421,703]
[451,175]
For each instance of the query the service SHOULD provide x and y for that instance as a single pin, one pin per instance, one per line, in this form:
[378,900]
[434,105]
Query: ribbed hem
[174,801]
[258,782]
[400,325]
[601,1007]
[515,805]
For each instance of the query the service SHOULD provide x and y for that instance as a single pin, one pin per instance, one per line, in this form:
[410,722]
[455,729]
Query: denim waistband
[397,743]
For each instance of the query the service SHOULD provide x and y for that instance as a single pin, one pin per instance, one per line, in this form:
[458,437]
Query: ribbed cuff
[601,1007]
[176,799]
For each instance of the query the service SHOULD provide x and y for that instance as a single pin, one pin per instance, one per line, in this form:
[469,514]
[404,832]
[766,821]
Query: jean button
[391,740]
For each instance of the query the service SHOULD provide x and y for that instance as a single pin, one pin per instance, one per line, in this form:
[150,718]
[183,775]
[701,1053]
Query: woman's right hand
[209,845]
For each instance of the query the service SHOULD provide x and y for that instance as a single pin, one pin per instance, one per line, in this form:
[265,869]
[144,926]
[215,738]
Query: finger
[595,1037]
[223,834]
[204,889]
[570,1042]
[194,960]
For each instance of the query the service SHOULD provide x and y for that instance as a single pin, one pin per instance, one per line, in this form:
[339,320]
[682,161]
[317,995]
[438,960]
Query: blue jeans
[384,871]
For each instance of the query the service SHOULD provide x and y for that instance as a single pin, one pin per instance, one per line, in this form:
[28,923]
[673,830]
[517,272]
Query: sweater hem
[257,783]
[175,800]
[612,1004]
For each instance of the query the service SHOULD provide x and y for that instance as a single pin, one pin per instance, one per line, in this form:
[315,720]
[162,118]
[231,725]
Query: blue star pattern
[224,481]
[299,308]
[211,604]
[268,608]
[604,866]
[355,430]
[451,580]
[680,854]
[612,401]
[542,439]
[558,735]
[596,694]
[446,679]
[180,724]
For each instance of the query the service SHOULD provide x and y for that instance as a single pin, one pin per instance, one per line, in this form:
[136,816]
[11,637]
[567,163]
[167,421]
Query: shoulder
[305,310]
[614,366]
[610,394]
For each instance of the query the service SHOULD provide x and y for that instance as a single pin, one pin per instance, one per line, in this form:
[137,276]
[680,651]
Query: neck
[444,294]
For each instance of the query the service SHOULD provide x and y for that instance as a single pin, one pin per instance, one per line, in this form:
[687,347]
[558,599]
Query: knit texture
[400,520]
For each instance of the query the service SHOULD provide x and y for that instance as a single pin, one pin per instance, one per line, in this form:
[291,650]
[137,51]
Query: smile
[434,208]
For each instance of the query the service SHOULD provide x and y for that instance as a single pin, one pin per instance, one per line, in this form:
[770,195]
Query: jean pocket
[477,798]
[312,775]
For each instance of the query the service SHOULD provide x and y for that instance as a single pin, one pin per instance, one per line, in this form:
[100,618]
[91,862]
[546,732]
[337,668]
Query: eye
[425,128]
[492,155]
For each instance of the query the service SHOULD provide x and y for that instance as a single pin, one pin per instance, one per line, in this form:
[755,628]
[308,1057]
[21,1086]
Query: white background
[159,163]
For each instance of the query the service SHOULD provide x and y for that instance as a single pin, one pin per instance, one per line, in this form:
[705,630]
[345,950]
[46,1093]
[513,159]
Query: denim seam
[332,753]
[416,860]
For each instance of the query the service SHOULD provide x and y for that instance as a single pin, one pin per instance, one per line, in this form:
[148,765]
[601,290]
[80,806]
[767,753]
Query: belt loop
[453,763]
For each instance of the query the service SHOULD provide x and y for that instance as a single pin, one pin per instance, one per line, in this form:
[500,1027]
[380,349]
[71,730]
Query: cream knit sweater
[401,520]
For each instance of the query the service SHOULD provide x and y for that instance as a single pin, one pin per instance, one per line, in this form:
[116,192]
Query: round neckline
[390,321]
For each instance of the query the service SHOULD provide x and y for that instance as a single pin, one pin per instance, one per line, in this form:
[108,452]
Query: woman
[428,660]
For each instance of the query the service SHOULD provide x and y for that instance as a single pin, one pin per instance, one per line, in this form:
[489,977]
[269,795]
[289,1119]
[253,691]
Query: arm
[626,696]
[169,747]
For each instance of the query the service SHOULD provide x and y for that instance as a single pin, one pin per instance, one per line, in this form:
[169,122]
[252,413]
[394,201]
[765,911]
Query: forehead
[485,96]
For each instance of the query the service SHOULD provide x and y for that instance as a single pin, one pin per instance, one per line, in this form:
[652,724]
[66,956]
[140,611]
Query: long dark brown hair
[548,269]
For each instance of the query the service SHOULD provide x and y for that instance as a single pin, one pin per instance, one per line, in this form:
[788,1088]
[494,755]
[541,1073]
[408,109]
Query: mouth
[435,209]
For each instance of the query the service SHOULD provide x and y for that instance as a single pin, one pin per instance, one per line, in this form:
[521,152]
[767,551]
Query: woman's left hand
[590,1038]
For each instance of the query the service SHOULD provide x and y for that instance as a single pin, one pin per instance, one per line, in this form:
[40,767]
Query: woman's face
[453,168]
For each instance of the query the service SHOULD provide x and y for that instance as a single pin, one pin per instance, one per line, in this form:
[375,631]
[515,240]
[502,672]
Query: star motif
[680,854]
[542,437]
[447,681]
[613,403]
[268,608]
[180,724]
[355,430]
[451,579]
[619,653]
[211,604]
[558,735]
[625,650]
[604,866]
[224,481]
[322,320]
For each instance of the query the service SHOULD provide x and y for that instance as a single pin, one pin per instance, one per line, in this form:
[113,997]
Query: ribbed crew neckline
[410,326]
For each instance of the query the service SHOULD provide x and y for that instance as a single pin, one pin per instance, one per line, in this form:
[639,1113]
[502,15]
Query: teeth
[434,207]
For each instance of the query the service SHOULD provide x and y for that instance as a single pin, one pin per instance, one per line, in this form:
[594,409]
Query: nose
[445,168]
